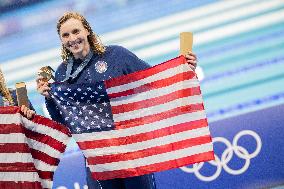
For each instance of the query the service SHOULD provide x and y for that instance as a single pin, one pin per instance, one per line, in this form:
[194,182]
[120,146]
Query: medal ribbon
[70,63]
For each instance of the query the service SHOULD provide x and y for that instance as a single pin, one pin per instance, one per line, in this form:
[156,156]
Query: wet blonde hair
[4,90]
[93,39]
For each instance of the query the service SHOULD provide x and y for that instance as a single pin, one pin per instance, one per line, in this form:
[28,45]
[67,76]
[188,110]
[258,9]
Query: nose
[72,37]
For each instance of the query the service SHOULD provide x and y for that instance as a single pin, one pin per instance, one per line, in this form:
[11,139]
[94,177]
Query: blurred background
[239,44]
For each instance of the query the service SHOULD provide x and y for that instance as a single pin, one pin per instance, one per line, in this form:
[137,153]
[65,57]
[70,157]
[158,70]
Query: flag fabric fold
[144,122]
[29,150]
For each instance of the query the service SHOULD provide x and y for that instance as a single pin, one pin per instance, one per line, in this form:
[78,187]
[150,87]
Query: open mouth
[74,44]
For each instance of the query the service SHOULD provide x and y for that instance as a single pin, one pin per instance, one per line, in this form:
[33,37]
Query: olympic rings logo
[226,156]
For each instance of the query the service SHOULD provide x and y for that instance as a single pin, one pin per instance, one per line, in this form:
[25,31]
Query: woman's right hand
[43,87]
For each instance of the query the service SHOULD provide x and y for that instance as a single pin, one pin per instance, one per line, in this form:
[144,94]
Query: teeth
[75,43]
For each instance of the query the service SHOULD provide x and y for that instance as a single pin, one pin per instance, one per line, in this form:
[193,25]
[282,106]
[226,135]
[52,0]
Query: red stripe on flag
[143,136]
[45,175]
[44,157]
[45,139]
[14,148]
[150,151]
[155,85]
[37,119]
[17,167]
[11,128]
[20,185]
[25,167]
[145,73]
[155,101]
[52,124]
[206,156]
[10,110]
[160,116]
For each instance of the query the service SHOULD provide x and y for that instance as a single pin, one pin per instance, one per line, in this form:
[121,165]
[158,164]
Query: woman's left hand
[191,60]
[27,112]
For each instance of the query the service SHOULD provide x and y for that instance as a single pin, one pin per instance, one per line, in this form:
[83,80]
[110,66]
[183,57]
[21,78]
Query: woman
[8,98]
[86,60]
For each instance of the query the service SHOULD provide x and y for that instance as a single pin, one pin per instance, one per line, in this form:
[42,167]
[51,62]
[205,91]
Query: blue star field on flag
[85,108]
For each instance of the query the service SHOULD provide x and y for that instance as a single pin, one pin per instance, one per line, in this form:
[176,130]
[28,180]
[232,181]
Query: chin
[78,51]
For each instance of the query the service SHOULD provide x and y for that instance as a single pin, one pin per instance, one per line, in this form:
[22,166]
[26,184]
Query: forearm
[53,110]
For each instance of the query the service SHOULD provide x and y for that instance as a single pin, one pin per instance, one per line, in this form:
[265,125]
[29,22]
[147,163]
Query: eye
[65,35]
[76,31]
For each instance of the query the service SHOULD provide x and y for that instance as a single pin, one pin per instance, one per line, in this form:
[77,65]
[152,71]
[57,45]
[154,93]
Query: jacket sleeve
[50,105]
[53,111]
[130,61]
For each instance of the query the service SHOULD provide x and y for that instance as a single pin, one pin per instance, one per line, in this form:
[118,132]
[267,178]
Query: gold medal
[46,73]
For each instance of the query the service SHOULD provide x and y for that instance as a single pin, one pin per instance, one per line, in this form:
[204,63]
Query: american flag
[29,150]
[143,122]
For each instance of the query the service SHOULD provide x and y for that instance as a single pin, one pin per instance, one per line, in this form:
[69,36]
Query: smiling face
[74,37]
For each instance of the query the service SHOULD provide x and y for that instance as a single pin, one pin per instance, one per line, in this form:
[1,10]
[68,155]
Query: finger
[192,67]
[193,62]
[22,108]
[26,111]
[41,84]
[39,78]
[46,84]
[46,88]
[46,92]
[190,57]
[191,53]
[30,114]
[43,88]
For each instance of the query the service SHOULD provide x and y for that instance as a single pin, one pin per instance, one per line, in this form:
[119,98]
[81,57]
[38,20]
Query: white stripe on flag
[46,183]
[154,92]
[39,128]
[19,176]
[158,108]
[13,138]
[43,129]
[148,143]
[155,77]
[15,157]
[44,148]
[153,159]
[140,129]
[10,119]
[40,165]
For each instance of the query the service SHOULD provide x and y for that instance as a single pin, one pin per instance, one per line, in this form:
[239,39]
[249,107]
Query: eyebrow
[66,33]
[76,29]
